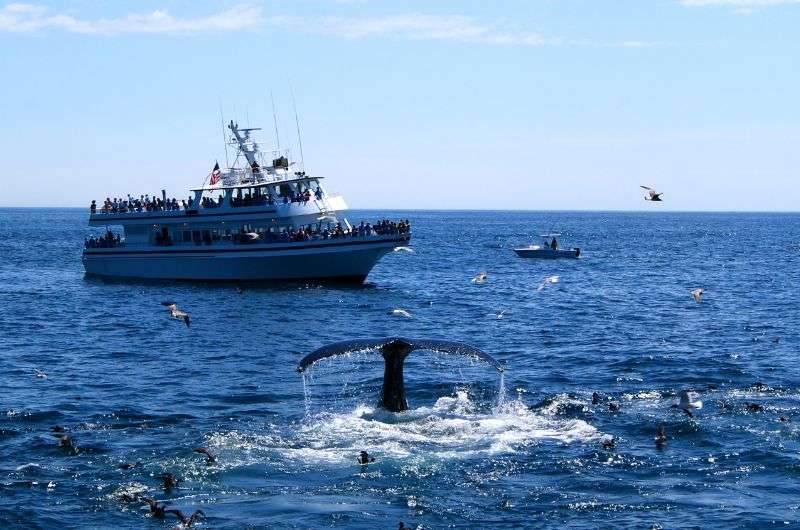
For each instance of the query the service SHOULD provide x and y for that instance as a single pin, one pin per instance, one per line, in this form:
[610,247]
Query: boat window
[187,236]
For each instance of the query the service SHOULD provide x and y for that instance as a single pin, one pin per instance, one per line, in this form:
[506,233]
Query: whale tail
[394,351]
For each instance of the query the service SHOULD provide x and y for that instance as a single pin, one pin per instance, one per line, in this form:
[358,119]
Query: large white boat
[262,219]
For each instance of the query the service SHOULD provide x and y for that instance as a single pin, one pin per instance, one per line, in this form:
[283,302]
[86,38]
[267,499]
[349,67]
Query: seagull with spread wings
[652,195]
[176,313]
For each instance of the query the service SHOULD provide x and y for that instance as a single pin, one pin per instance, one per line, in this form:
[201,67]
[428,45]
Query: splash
[453,428]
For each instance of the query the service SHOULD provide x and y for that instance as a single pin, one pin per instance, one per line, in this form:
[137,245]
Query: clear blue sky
[518,104]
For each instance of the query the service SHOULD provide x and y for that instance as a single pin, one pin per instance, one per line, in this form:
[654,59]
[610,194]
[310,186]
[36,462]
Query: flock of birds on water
[688,402]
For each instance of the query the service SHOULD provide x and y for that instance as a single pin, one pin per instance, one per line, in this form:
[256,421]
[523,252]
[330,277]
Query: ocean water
[131,385]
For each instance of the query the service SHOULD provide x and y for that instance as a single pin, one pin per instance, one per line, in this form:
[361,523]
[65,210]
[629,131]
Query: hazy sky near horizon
[517,104]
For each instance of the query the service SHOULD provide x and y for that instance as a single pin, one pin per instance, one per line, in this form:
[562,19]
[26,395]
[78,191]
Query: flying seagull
[697,294]
[548,281]
[480,277]
[652,195]
[400,313]
[686,404]
[174,312]
[403,249]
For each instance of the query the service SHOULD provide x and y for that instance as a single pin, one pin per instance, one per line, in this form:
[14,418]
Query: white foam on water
[453,427]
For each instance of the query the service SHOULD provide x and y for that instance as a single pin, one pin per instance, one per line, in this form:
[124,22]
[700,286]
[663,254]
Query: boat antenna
[224,136]
[297,122]
[275,120]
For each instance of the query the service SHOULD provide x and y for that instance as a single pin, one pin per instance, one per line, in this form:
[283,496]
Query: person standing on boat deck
[554,244]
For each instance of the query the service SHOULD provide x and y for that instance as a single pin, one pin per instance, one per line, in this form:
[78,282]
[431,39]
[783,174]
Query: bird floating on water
[169,481]
[400,313]
[500,314]
[157,509]
[686,404]
[176,313]
[550,280]
[403,249]
[652,195]
[364,458]
[210,458]
[608,442]
[595,398]
[40,374]
[480,277]
[661,435]
[697,294]
[186,522]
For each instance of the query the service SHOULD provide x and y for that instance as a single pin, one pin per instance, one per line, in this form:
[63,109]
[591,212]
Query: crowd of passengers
[108,240]
[155,204]
[143,204]
[308,233]
[258,199]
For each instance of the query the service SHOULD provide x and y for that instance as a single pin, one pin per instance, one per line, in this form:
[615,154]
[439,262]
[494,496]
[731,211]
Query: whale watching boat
[547,250]
[262,219]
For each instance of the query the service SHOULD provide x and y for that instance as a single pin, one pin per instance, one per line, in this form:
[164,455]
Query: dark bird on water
[394,351]
[57,428]
[595,398]
[210,458]
[187,521]
[754,407]
[169,481]
[608,442]
[364,458]
[176,313]
[613,407]
[157,509]
[652,195]
[66,443]
[128,465]
[661,436]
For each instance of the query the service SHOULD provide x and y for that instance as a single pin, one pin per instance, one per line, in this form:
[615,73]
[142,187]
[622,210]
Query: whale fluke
[394,351]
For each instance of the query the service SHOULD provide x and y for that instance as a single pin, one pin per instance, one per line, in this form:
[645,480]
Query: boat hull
[333,260]
[546,253]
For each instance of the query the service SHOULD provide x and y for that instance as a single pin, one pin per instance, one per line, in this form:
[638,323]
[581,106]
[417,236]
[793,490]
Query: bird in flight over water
[652,195]
[174,312]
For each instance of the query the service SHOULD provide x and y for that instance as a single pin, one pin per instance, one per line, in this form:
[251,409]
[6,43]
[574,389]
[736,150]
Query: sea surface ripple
[131,385]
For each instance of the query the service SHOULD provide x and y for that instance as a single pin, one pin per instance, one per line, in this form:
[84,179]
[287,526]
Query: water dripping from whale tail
[394,351]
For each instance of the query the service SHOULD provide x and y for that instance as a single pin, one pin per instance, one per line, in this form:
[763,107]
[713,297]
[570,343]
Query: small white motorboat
[547,250]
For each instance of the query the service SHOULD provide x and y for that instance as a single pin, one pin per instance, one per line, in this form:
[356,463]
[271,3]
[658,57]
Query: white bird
[652,195]
[685,402]
[403,249]
[480,277]
[176,313]
[40,374]
[500,314]
[548,281]
[697,294]
[400,313]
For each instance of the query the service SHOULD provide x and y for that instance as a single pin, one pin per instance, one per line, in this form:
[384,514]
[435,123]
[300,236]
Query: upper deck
[262,187]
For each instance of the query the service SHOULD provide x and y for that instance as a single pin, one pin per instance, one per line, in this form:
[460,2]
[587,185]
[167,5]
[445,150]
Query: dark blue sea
[130,385]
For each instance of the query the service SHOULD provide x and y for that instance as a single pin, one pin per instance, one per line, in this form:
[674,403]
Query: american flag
[215,175]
